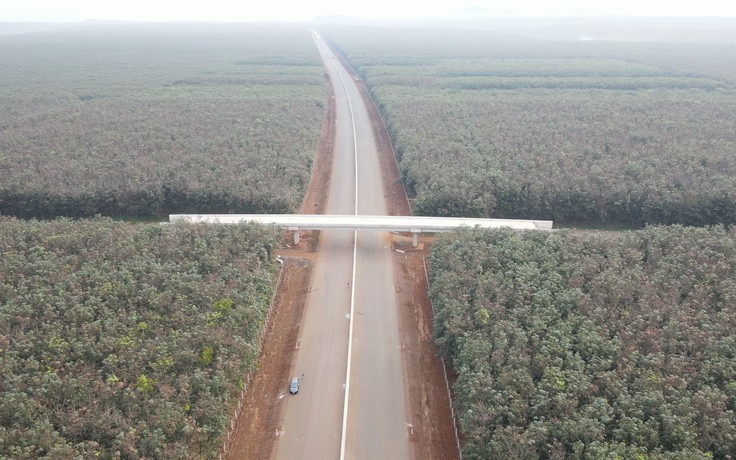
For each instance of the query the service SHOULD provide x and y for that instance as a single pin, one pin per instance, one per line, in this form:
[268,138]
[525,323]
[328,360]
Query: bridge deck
[413,224]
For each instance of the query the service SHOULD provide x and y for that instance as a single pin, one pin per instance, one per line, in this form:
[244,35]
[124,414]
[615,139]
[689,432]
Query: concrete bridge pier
[296,234]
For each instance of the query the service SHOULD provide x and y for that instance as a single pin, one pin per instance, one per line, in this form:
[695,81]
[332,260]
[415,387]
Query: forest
[124,340]
[579,132]
[150,119]
[127,341]
[131,340]
[589,346]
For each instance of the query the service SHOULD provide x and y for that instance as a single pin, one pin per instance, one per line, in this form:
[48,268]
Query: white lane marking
[352,284]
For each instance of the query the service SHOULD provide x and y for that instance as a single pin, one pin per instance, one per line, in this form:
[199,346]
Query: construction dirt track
[430,429]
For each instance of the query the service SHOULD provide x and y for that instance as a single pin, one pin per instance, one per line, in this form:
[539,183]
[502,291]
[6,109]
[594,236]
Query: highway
[373,424]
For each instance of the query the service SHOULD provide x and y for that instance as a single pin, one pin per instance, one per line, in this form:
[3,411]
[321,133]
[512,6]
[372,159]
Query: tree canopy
[487,125]
[147,120]
[126,341]
[570,345]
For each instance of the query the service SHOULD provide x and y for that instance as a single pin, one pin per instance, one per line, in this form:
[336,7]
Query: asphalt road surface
[376,423]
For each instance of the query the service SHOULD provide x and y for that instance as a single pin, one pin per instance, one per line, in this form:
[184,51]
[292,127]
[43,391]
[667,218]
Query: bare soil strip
[257,426]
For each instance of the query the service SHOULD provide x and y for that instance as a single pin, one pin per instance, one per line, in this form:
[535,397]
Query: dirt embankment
[257,425]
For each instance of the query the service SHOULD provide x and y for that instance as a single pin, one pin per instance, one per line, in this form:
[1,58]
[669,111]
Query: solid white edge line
[343,434]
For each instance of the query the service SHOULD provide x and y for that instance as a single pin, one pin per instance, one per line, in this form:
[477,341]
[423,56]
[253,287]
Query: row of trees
[126,341]
[570,345]
[142,121]
[487,126]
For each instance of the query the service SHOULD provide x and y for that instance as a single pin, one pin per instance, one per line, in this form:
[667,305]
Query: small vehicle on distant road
[294,387]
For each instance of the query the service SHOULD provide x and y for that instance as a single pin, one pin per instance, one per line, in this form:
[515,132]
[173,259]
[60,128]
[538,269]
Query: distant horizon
[75,11]
[354,18]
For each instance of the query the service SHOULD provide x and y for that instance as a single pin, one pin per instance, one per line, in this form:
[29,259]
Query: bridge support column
[296,234]
[415,236]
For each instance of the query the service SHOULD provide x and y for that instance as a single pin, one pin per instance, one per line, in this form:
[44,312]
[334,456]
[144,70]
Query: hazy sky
[263,10]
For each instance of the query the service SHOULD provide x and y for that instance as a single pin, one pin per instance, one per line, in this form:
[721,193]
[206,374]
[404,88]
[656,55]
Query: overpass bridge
[412,224]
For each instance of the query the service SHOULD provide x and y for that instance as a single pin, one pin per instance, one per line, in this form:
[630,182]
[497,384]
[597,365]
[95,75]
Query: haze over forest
[291,10]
